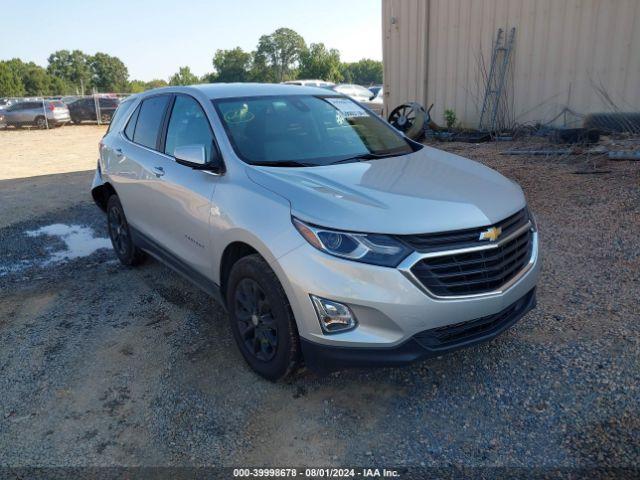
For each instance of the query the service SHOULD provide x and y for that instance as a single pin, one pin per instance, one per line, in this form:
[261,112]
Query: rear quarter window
[119,115]
[131,126]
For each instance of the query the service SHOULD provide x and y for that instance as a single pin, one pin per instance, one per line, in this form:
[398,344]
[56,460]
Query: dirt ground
[50,165]
[33,152]
[106,365]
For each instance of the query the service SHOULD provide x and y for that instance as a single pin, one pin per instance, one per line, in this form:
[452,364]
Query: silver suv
[326,234]
[38,113]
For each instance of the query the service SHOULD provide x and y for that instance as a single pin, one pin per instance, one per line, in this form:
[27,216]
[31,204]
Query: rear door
[87,109]
[132,162]
[24,113]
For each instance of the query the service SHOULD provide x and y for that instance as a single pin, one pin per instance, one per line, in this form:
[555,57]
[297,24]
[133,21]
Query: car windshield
[306,130]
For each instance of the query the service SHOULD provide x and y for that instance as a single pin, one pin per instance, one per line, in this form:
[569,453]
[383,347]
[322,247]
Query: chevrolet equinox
[327,235]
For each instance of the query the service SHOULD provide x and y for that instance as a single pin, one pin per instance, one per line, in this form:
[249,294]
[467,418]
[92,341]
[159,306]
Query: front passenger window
[188,125]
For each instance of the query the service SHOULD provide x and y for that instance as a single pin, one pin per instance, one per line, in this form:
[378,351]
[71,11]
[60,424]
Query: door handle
[119,152]
[158,171]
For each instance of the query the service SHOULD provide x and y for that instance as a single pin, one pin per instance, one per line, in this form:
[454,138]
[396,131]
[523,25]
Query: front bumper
[430,343]
[390,308]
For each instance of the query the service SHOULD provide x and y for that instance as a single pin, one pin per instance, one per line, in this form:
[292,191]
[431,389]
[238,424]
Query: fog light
[334,317]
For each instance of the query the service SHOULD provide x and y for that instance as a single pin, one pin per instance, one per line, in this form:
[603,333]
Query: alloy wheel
[118,231]
[256,323]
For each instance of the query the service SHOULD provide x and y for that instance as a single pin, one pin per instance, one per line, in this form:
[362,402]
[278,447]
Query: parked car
[38,113]
[361,95]
[310,83]
[325,233]
[375,89]
[84,109]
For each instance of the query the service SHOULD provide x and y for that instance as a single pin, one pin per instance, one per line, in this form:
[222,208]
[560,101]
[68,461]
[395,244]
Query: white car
[310,83]
[361,95]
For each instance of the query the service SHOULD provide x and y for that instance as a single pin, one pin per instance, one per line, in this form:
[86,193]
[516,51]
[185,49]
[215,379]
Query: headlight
[371,248]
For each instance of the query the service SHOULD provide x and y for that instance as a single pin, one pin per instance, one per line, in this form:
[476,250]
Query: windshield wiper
[284,163]
[364,157]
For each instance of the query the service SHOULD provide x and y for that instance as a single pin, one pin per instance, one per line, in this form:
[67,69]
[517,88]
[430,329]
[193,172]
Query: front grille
[434,242]
[465,332]
[475,272]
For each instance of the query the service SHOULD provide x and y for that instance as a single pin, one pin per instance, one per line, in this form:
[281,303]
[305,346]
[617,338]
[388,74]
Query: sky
[155,37]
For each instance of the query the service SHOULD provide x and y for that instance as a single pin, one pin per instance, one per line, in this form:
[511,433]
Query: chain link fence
[55,111]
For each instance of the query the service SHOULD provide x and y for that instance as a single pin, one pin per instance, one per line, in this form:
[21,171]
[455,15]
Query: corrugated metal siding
[404,49]
[563,48]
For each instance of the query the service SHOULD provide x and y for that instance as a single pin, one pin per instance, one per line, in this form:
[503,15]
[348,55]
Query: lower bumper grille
[463,333]
[475,272]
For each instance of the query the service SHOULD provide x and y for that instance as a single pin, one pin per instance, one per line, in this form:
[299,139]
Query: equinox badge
[491,234]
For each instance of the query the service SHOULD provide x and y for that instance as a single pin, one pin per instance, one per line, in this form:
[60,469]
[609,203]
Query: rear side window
[150,120]
[108,102]
[188,126]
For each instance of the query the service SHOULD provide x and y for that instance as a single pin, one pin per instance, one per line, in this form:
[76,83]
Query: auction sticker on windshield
[348,108]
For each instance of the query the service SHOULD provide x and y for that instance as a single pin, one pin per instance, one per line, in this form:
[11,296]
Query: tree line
[282,55]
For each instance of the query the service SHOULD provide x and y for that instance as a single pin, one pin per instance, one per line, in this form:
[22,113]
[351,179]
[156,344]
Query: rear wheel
[41,122]
[262,322]
[120,234]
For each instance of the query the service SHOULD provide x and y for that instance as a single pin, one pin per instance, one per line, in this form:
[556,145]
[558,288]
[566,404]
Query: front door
[182,201]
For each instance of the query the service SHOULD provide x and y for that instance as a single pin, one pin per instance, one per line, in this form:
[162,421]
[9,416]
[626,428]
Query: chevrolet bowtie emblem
[491,234]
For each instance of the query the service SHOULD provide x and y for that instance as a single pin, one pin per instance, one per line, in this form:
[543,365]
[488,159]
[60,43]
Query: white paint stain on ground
[79,241]
[15,267]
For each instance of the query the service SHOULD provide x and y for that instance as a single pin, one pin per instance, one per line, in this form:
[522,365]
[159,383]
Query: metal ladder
[496,80]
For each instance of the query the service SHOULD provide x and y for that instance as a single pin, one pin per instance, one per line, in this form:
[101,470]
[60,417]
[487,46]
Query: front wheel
[120,234]
[262,322]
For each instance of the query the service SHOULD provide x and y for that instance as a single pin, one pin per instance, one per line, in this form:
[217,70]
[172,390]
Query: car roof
[231,90]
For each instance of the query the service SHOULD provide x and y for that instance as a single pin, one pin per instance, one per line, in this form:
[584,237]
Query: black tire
[263,326]
[41,122]
[76,121]
[120,234]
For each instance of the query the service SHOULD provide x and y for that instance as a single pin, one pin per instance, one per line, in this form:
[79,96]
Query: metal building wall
[432,50]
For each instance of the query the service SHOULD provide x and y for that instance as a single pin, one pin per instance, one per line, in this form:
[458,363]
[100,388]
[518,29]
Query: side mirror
[191,155]
[372,97]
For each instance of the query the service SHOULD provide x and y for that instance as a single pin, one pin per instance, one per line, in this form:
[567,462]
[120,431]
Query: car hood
[427,191]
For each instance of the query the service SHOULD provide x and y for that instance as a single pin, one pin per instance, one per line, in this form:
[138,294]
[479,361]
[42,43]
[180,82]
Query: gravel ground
[106,365]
